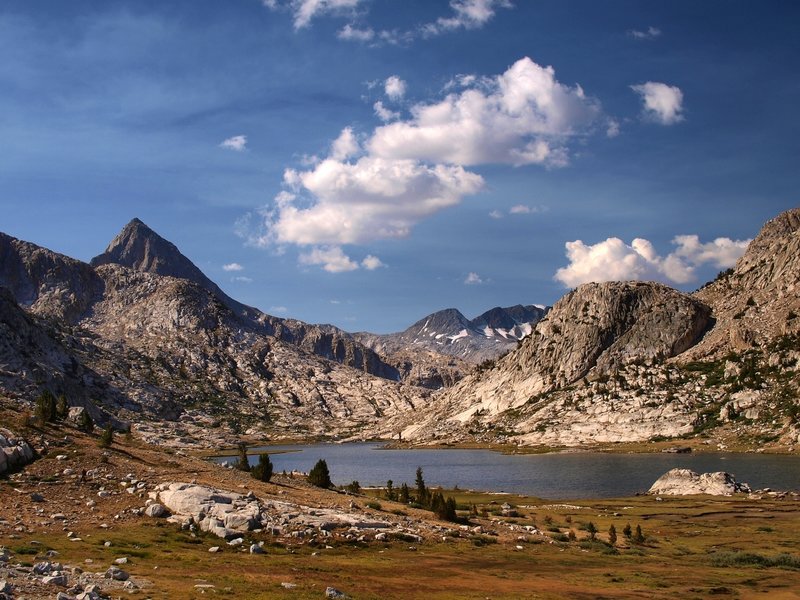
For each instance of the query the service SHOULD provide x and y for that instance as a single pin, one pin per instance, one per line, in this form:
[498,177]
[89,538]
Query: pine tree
[319,475]
[390,492]
[638,536]
[85,422]
[243,463]
[62,408]
[405,496]
[626,531]
[263,470]
[592,530]
[612,535]
[423,495]
[46,407]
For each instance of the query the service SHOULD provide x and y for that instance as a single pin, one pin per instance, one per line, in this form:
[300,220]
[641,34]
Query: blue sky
[366,162]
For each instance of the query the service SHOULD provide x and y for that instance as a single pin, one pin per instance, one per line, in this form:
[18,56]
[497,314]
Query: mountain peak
[140,248]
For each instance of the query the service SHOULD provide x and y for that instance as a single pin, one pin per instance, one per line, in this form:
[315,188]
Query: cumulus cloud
[233,267]
[614,260]
[612,128]
[370,263]
[662,103]
[385,114]
[345,146]
[523,117]
[467,14]
[380,185]
[650,33]
[331,258]
[237,143]
[395,88]
[473,279]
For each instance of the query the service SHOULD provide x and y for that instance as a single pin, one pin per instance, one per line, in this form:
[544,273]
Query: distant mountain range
[449,332]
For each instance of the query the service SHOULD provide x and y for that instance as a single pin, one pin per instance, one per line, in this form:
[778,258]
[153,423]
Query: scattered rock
[117,574]
[332,592]
[156,510]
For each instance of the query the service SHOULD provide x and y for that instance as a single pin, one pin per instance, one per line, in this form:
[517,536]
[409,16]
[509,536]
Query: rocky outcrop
[228,514]
[685,482]
[15,452]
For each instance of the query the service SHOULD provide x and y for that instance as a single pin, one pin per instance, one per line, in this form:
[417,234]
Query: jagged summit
[140,248]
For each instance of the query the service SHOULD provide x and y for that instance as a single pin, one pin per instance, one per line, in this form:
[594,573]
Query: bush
[319,475]
[85,422]
[107,437]
[46,407]
[405,495]
[243,463]
[353,487]
[263,470]
[592,530]
[374,505]
[62,408]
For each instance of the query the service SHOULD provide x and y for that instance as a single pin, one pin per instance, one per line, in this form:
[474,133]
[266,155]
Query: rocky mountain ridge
[449,332]
[632,361]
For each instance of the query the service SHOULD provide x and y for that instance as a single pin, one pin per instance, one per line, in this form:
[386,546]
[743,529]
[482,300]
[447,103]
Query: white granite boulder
[685,482]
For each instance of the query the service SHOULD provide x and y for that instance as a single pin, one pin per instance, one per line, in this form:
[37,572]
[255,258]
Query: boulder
[116,574]
[685,482]
[156,510]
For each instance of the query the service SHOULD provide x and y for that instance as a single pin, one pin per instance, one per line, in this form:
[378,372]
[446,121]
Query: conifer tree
[592,529]
[319,475]
[405,495]
[423,495]
[243,463]
[638,537]
[612,535]
[107,437]
[263,470]
[626,531]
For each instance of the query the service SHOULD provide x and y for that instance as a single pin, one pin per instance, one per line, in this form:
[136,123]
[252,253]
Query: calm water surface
[575,475]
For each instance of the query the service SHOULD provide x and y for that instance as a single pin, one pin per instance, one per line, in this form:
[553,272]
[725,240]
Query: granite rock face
[685,482]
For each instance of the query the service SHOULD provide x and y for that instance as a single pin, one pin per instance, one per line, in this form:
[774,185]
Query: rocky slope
[634,361]
[145,345]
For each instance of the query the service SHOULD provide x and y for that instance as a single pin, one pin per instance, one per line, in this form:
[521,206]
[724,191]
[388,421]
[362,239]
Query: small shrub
[571,536]
[107,437]
[85,422]
[374,505]
[319,475]
[353,487]
[263,470]
[62,408]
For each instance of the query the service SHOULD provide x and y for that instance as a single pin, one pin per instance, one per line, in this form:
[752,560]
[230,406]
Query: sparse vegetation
[107,437]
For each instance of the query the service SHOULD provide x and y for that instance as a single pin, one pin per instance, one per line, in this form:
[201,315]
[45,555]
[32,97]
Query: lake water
[566,475]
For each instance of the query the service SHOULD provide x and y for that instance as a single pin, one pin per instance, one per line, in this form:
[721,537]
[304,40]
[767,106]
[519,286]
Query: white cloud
[237,143]
[345,146]
[650,33]
[242,279]
[662,103]
[612,128]
[306,10]
[496,214]
[370,263]
[473,279]
[409,170]
[336,301]
[331,258]
[385,114]
[278,309]
[233,267]
[614,260]
[524,118]
[366,200]
[395,88]
[467,14]
[354,34]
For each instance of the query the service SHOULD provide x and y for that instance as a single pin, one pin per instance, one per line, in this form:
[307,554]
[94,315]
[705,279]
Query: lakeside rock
[685,482]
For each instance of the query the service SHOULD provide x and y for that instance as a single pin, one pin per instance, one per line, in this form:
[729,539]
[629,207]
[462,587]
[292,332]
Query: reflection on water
[569,475]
